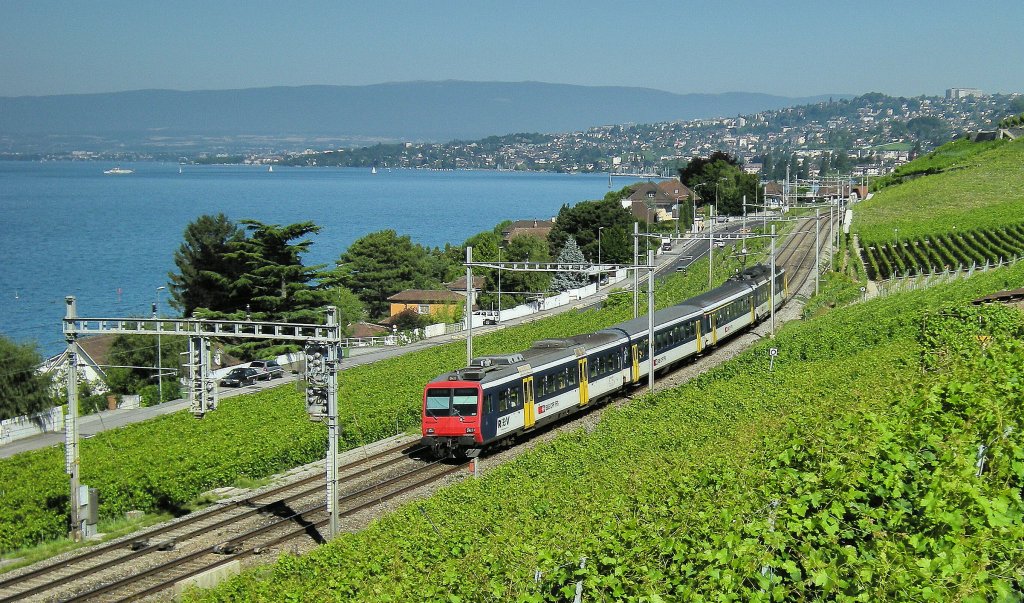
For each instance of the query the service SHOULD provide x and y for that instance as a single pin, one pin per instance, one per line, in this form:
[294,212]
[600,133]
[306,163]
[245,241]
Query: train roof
[640,323]
[488,369]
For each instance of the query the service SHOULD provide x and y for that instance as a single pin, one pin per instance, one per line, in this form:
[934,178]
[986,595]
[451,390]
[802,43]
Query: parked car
[239,376]
[267,369]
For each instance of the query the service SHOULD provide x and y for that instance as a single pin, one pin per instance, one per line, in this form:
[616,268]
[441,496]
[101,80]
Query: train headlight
[470,430]
[430,430]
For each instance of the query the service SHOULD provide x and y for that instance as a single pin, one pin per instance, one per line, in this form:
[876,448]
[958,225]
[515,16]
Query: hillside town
[868,135]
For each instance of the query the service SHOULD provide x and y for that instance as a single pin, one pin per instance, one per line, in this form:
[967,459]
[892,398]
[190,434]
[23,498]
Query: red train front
[451,418]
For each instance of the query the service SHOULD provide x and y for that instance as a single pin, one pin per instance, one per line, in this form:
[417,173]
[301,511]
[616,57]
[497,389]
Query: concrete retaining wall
[25,427]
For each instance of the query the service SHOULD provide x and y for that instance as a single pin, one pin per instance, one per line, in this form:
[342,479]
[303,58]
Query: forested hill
[416,111]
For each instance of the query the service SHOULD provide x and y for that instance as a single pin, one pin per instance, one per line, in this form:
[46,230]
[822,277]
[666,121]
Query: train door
[753,308]
[714,327]
[700,340]
[636,364]
[584,382]
[529,418]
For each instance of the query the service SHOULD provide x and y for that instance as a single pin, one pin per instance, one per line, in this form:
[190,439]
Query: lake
[66,228]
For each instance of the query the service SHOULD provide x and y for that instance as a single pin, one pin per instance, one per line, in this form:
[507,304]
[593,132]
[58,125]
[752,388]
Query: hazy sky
[784,47]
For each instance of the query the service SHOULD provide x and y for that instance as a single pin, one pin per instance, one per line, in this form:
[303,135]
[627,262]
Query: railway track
[157,558]
[797,255]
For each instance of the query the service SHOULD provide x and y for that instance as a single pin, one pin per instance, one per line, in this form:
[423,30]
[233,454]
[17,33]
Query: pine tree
[570,279]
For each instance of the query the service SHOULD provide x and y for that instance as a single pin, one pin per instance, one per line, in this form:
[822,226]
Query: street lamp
[896,233]
[599,229]
[711,238]
[159,358]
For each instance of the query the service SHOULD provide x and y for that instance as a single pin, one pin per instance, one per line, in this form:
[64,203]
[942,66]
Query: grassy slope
[671,496]
[977,189]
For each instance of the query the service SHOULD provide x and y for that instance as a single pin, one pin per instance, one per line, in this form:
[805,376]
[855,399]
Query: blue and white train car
[498,398]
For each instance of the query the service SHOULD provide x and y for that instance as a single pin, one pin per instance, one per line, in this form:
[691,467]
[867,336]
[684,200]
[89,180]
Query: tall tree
[692,173]
[569,279]
[205,272]
[379,265]
[23,389]
[526,248]
[274,281]
[586,219]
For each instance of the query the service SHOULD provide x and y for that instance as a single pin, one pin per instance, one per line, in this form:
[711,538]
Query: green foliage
[977,189]
[526,248]
[952,334]
[379,265]
[837,289]
[566,280]
[949,156]
[955,250]
[159,465]
[275,283]
[139,351]
[23,390]
[843,474]
[721,179]
[350,308]
[584,220]
[205,273]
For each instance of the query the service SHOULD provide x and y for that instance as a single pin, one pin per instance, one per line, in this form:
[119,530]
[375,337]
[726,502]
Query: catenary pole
[469,306]
[636,268]
[773,281]
[73,459]
[650,318]
[817,249]
[333,365]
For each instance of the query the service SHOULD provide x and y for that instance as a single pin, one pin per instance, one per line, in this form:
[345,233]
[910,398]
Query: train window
[464,402]
[490,403]
[561,381]
[570,376]
[593,367]
[439,401]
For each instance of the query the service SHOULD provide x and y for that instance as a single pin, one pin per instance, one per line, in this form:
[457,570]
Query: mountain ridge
[415,111]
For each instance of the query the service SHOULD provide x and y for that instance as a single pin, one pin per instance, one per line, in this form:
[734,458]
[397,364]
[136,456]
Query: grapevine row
[940,252]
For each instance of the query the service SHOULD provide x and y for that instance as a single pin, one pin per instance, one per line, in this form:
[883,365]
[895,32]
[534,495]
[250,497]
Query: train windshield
[452,402]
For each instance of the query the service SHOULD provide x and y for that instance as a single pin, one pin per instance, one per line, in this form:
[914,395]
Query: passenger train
[500,397]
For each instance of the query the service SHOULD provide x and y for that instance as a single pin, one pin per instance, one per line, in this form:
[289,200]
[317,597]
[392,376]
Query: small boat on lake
[119,171]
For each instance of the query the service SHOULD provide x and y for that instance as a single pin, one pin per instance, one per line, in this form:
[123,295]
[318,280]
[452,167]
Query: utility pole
[773,281]
[332,365]
[817,249]
[636,268]
[72,456]
[469,306]
[159,357]
[650,318]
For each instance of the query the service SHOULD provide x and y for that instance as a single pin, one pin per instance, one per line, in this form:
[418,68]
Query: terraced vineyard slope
[960,205]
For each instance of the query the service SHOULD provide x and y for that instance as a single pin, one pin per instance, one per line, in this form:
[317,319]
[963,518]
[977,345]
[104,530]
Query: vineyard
[978,190]
[880,458]
[163,464]
[940,252]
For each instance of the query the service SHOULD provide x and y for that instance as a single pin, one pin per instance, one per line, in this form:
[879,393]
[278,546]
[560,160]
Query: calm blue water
[68,229]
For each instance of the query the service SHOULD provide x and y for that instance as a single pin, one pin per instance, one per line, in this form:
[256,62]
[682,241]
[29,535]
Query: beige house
[425,301]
